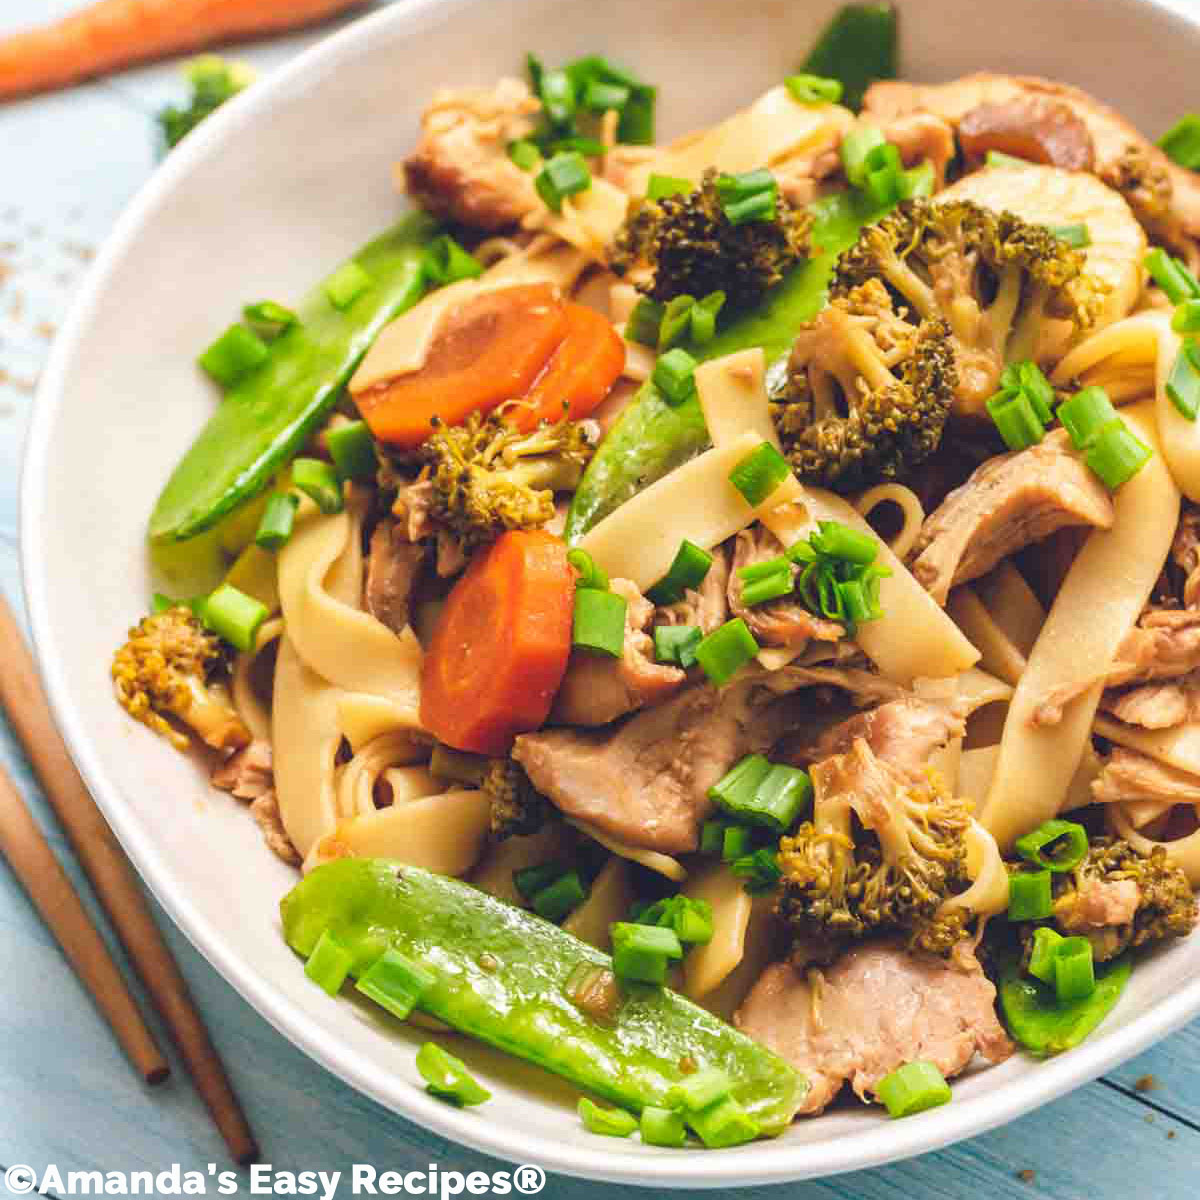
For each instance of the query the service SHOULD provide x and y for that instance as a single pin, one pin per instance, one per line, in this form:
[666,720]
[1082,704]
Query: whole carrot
[112,34]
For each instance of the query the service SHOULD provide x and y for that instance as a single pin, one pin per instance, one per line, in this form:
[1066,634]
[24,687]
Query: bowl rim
[776,1162]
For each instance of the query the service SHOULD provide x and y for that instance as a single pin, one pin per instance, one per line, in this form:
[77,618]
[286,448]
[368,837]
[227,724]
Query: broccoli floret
[693,249]
[868,391]
[992,277]
[489,477]
[171,666]
[518,808]
[893,873]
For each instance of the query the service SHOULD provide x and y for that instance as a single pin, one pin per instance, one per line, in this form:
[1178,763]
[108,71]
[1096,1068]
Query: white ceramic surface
[261,201]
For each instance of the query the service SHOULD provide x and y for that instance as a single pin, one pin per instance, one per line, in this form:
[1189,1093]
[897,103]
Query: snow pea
[857,47]
[264,420]
[1041,1022]
[503,975]
[652,437]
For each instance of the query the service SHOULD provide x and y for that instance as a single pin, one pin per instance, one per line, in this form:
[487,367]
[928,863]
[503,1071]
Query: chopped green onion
[1074,970]
[234,616]
[692,921]
[1029,896]
[1085,414]
[329,963]
[559,898]
[662,1127]
[352,449]
[645,321]
[917,181]
[159,603]
[884,174]
[1117,455]
[763,793]
[712,837]
[1182,142]
[1187,317]
[723,1123]
[760,869]
[736,789]
[346,284]
[704,317]
[557,93]
[1016,418]
[659,187]
[525,154]
[688,570]
[1172,276]
[396,983]
[448,1078]
[855,148]
[738,841]
[759,206]
[563,175]
[1183,383]
[677,320]
[608,1122]
[747,197]
[913,1088]
[637,118]
[1056,845]
[268,319]
[640,952]
[997,158]
[599,621]
[588,147]
[835,540]
[590,575]
[675,376]
[319,482]
[677,644]
[726,651]
[602,97]
[814,89]
[1027,377]
[236,353]
[445,261]
[275,527]
[759,474]
[1074,235]
[1046,942]
[530,880]
[856,602]
[700,1089]
[764,569]
[771,587]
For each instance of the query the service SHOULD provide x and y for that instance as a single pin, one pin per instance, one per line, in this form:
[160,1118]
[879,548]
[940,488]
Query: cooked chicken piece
[1185,552]
[413,507]
[707,606]
[393,564]
[876,1008]
[903,733]
[920,137]
[1156,705]
[1008,502]
[783,622]
[461,169]
[1039,129]
[1130,775]
[247,774]
[645,781]
[265,811]
[598,689]
[1164,644]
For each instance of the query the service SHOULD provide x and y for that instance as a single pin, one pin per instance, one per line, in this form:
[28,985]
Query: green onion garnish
[676,644]
[704,317]
[690,919]
[275,527]
[396,983]
[600,97]
[712,837]
[329,963]
[352,449]
[854,150]
[346,284]
[677,321]
[1046,942]
[1016,418]
[1182,142]
[884,174]
[1187,317]
[747,197]
[448,1078]
[557,93]
[763,793]
[608,1122]
[525,154]
[1027,377]
[1074,970]
[590,575]
[530,880]
[268,319]
[1116,455]
[1085,414]
[641,952]
[856,602]
[1074,235]
[1172,276]
[726,651]
[675,376]
[764,569]
[599,621]
[759,206]
[645,321]
[736,842]
[1056,845]
[1183,383]
[319,482]
[234,616]
[759,474]
[760,869]
[659,187]
[700,1089]
[913,1088]
[445,261]
[771,587]
[662,1127]
[236,353]
[835,540]
[687,571]
[814,89]
[559,898]
[1029,897]
[723,1123]
[917,181]
[563,175]
[997,158]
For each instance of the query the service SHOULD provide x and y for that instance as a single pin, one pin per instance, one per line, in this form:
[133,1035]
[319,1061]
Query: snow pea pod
[502,975]
[264,420]
[651,437]
[857,47]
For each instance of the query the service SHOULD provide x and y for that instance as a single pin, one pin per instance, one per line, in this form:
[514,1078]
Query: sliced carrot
[584,367]
[112,34]
[501,644]
[489,350]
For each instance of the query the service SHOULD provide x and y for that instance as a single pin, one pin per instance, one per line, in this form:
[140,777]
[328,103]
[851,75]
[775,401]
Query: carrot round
[491,349]
[579,375]
[501,644]
[112,34]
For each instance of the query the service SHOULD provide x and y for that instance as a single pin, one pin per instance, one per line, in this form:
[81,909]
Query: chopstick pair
[105,865]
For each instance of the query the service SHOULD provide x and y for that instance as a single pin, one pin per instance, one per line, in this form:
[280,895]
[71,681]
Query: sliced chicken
[707,606]
[645,781]
[461,169]
[1165,644]
[1007,503]
[265,811]
[1130,775]
[1185,552]
[413,507]
[876,1008]
[393,564]
[1039,129]
[1160,705]
[597,689]
[246,774]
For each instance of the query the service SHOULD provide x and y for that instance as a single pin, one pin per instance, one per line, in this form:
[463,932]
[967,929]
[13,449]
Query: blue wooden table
[68,164]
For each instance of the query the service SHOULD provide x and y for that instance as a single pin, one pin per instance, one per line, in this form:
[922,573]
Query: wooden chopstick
[34,864]
[111,876]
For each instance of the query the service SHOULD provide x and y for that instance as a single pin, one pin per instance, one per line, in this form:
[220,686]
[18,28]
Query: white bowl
[261,202]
